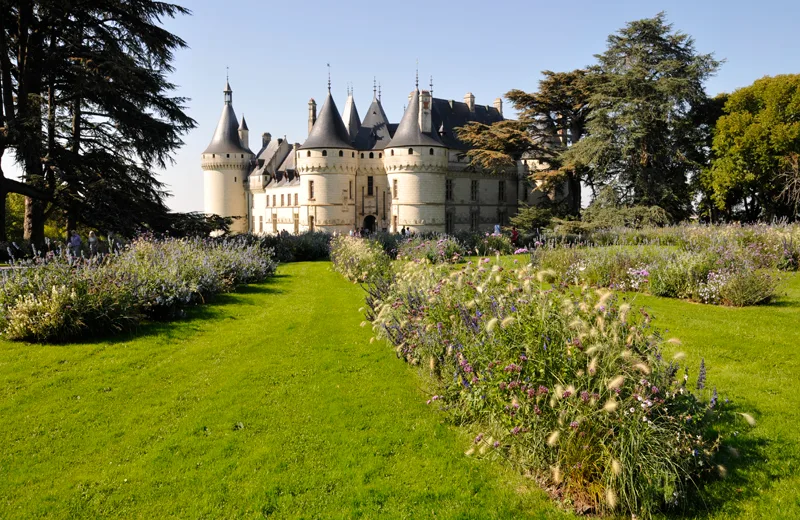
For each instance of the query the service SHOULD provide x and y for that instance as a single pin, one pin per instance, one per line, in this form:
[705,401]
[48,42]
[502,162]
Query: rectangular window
[473,191]
[448,189]
[267,200]
[253,225]
[281,199]
[474,219]
[310,190]
[370,185]
[260,223]
[501,191]
[449,223]
[273,199]
[295,200]
[274,222]
[394,189]
[351,190]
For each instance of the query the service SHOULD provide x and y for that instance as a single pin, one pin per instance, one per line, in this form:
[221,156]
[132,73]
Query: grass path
[271,403]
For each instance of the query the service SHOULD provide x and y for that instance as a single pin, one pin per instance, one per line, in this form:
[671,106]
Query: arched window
[371,155]
[353,154]
[341,153]
[362,155]
[308,153]
[229,156]
[380,155]
[431,151]
[324,153]
[392,152]
[410,151]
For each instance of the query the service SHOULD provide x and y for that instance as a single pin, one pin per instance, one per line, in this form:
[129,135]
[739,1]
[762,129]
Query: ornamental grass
[568,385]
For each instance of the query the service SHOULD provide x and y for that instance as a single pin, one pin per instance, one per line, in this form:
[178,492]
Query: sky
[277,52]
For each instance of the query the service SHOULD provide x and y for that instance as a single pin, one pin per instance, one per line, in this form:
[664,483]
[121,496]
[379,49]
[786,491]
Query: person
[75,244]
[497,229]
[403,231]
[514,235]
[92,243]
[351,232]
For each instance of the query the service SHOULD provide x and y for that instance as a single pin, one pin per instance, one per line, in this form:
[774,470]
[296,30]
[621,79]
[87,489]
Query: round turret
[327,165]
[416,163]
[225,164]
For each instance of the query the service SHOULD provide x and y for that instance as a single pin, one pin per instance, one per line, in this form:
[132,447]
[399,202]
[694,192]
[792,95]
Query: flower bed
[359,259]
[571,387]
[57,298]
[439,249]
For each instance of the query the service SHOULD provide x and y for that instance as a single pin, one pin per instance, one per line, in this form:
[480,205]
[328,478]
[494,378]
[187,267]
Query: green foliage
[529,218]
[571,388]
[756,149]
[608,211]
[641,132]
[360,260]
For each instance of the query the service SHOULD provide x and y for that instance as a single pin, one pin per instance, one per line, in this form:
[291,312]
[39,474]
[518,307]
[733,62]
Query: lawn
[269,403]
[272,403]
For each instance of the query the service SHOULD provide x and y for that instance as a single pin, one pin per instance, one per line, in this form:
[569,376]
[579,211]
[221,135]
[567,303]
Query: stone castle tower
[226,163]
[364,174]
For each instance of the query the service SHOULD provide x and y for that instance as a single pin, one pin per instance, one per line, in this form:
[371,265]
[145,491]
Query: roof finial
[227,73]
[416,81]
[374,86]
[431,85]
[329,77]
[379,91]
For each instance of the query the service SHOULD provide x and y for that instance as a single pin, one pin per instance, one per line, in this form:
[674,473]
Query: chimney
[498,104]
[266,137]
[312,113]
[425,111]
[469,99]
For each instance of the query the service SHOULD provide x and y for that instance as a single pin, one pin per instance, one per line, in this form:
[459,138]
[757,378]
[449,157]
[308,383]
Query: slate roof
[376,131]
[448,115]
[243,125]
[350,117]
[408,132]
[329,130]
[226,136]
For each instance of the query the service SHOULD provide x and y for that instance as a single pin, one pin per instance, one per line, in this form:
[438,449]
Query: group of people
[75,244]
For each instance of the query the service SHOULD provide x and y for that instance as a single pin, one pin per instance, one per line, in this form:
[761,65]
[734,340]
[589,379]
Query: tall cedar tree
[756,169]
[640,134]
[98,117]
[550,121]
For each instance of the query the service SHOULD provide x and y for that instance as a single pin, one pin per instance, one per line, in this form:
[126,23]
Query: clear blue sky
[277,53]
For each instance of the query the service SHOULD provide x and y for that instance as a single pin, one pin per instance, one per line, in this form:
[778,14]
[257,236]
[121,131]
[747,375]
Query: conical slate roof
[226,136]
[374,133]
[351,120]
[243,125]
[408,132]
[329,130]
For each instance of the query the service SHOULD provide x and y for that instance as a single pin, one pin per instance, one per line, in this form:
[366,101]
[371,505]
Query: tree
[756,150]
[550,120]
[640,133]
[98,117]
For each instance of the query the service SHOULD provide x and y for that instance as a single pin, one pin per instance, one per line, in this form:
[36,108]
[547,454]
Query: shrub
[359,259]
[58,298]
[440,249]
[570,387]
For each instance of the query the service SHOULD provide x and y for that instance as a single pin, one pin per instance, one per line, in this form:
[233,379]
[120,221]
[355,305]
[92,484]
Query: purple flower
[574,425]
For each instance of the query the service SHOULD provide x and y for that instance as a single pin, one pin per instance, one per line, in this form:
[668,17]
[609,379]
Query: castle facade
[353,173]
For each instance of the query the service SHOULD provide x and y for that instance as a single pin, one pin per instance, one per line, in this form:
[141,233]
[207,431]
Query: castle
[352,173]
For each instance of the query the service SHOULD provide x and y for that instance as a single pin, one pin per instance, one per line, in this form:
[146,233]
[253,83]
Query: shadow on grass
[746,474]
[192,319]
